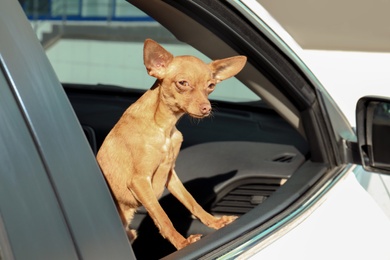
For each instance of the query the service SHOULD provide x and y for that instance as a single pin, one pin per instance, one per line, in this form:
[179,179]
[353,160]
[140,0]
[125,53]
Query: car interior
[248,153]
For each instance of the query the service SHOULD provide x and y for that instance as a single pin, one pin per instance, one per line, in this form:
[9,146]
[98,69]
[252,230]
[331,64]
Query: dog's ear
[156,58]
[226,68]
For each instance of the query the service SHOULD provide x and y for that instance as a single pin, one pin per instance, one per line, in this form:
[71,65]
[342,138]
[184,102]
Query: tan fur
[138,155]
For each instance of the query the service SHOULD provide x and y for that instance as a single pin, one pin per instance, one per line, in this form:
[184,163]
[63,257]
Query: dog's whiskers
[195,120]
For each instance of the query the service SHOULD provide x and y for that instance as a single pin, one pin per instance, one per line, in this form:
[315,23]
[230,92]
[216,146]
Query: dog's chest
[167,146]
[170,147]
[167,156]
[165,166]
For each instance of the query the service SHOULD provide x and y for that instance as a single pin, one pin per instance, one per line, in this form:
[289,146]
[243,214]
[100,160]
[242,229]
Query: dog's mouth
[199,116]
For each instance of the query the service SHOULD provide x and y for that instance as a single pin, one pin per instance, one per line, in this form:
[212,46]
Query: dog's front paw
[191,239]
[222,221]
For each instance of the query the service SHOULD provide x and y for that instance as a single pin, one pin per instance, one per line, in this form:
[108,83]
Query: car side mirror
[373,132]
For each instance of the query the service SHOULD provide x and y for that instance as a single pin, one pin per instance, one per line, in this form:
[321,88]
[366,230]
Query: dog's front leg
[176,187]
[141,188]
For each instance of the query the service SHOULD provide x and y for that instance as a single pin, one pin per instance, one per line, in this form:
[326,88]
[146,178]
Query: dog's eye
[184,83]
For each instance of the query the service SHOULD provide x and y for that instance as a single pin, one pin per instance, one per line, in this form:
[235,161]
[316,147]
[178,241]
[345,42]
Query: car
[277,152]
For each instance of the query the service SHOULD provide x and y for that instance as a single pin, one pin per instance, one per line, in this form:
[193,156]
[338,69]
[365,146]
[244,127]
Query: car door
[54,202]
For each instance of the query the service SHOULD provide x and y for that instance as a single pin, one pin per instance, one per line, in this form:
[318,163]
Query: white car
[278,152]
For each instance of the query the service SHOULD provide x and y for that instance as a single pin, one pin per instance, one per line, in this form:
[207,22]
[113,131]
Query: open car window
[115,58]
[244,150]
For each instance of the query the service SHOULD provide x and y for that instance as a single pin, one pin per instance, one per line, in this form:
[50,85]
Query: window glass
[113,53]
[80,10]
[35,8]
[121,64]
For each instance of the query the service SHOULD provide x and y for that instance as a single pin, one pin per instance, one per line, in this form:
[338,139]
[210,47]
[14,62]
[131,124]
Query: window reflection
[382,110]
[79,10]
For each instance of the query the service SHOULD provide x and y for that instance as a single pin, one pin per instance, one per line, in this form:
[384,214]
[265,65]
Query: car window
[120,63]
[113,54]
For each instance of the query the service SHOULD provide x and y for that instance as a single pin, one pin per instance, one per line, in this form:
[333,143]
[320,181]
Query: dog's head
[186,81]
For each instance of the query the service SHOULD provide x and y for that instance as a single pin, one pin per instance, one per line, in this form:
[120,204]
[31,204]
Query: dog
[138,156]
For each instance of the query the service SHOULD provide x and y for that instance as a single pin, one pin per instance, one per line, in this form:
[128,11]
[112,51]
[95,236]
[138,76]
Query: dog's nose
[205,108]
